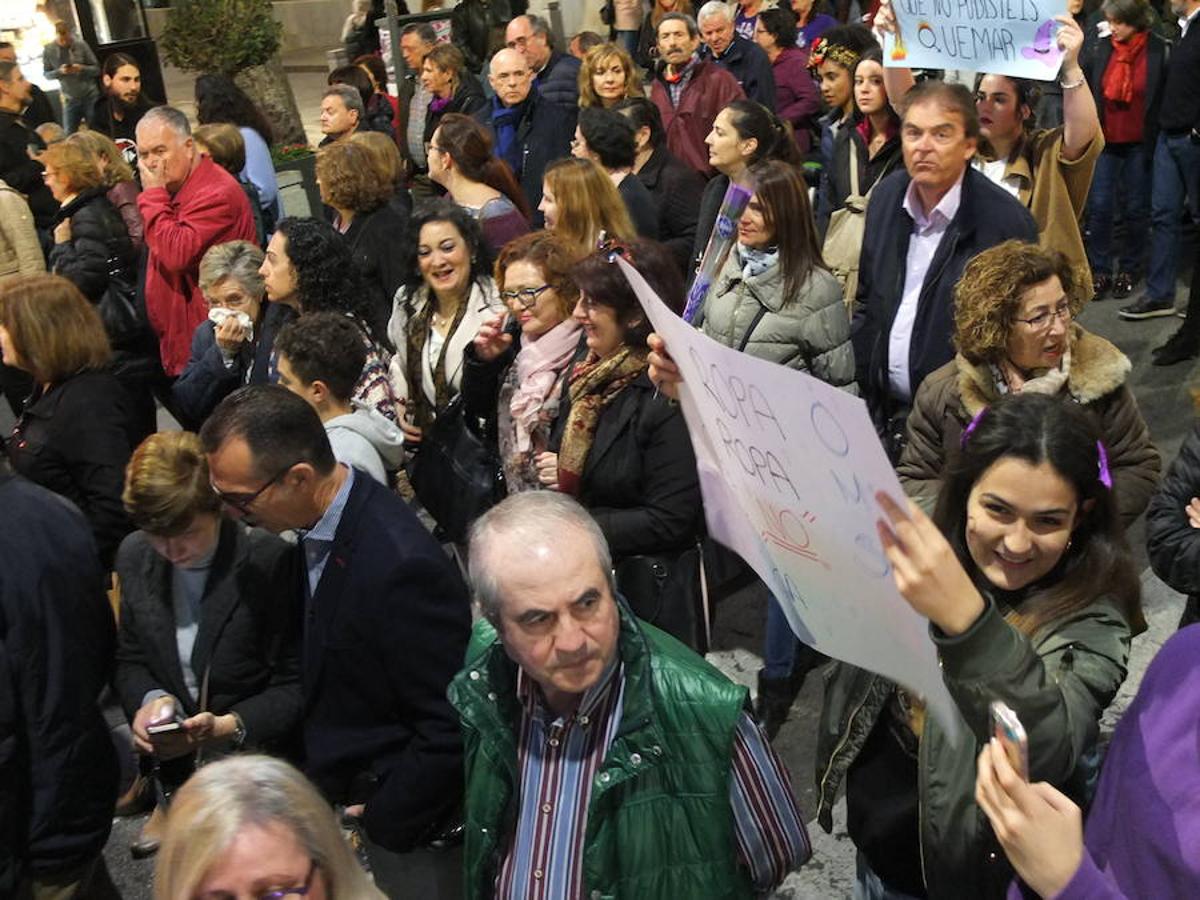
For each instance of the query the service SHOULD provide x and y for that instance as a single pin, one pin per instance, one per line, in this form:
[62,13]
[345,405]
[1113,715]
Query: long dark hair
[774,135]
[783,195]
[873,54]
[1038,428]
[327,277]
[218,100]
[470,146]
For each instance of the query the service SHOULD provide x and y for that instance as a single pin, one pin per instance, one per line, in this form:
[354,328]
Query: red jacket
[709,91]
[211,208]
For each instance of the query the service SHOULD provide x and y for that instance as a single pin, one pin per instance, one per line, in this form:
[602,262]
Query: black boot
[774,702]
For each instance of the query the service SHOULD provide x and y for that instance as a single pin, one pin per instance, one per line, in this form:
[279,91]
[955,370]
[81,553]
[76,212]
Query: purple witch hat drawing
[1044,46]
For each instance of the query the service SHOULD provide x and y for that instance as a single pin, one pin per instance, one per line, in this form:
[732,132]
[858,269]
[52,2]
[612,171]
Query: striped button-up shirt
[559,758]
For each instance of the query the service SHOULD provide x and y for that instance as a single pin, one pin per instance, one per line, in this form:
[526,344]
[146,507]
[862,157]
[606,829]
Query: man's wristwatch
[239,732]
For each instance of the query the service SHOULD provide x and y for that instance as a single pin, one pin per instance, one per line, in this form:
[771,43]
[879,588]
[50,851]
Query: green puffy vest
[659,821]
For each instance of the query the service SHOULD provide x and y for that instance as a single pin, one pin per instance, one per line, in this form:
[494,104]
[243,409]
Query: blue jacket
[384,633]
[987,215]
[206,380]
[558,81]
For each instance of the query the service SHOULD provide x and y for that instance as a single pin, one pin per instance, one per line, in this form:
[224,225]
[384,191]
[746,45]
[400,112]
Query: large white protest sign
[789,467]
[1004,37]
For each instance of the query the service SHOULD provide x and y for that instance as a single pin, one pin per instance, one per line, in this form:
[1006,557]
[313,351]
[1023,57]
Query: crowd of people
[420,585]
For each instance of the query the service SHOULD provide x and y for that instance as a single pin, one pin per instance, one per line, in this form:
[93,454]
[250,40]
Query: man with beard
[121,106]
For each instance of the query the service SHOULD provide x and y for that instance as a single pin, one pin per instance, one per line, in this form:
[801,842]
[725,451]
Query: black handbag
[670,592]
[118,308]
[456,474]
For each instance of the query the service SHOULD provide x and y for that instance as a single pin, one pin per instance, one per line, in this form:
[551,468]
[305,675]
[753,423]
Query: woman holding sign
[1049,170]
[1032,598]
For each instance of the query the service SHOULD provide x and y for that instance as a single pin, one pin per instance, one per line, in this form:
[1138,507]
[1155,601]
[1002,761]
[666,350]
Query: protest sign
[789,467]
[1003,37]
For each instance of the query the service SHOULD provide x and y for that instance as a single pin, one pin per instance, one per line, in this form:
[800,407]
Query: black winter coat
[75,439]
[468,99]
[58,769]
[870,170]
[987,215]
[710,208]
[1171,541]
[248,638]
[99,245]
[639,481]
[544,134]
[558,82]
[380,243]
[477,27]
[677,189]
[641,206]
[21,172]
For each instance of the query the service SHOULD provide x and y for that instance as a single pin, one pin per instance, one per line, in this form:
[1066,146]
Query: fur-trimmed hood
[1097,369]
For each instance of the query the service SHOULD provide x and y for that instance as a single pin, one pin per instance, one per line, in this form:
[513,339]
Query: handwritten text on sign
[789,467]
[1005,37]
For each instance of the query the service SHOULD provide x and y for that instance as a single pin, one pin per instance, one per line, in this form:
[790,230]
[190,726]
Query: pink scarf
[539,365]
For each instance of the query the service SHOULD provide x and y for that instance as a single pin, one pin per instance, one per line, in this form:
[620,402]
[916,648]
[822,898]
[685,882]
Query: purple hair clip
[1105,474]
[970,429]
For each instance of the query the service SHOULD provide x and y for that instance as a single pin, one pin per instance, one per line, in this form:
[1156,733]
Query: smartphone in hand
[1009,731]
[164,728]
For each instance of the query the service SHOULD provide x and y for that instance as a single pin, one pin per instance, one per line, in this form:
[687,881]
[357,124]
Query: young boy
[320,357]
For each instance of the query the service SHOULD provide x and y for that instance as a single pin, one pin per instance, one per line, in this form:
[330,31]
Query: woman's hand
[412,434]
[62,232]
[663,371]
[158,711]
[1070,42]
[885,19]
[230,335]
[926,570]
[1040,829]
[492,339]
[1193,512]
[547,469]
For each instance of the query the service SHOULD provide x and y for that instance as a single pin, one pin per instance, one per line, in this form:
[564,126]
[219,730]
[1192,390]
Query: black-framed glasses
[527,297]
[243,502]
[1045,319]
[278,894]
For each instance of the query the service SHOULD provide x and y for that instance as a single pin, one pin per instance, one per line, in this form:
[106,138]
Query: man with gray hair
[742,58]
[555,74]
[342,113]
[592,738]
[188,204]
[689,91]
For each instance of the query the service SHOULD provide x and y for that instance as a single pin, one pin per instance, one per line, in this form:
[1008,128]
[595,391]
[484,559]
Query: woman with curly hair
[608,76]
[218,99]
[309,267]
[353,185]
[1014,330]
[438,313]
[581,203]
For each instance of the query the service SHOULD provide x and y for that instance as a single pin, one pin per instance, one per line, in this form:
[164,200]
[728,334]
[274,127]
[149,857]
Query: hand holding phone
[1010,733]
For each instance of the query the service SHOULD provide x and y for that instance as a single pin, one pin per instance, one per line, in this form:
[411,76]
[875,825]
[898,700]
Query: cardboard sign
[789,467]
[1002,37]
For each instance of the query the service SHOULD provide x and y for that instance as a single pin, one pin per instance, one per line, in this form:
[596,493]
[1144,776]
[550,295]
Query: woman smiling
[1014,332]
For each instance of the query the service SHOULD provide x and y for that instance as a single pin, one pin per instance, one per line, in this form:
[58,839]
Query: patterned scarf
[1118,77]
[420,320]
[755,262]
[592,385]
[539,364]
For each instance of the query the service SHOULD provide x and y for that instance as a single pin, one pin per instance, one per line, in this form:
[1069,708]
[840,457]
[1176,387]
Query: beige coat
[950,397]
[20,252]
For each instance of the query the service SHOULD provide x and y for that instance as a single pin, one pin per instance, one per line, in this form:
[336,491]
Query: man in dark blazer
[923,226]
[386,624]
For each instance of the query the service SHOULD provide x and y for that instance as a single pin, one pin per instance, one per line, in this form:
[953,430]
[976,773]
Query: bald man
[530,132]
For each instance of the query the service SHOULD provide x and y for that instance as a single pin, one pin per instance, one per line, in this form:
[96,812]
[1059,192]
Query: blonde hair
[601,55]
[166,484]
[74,165]
[104,149]
[54,330]
[588,203]
[223,798]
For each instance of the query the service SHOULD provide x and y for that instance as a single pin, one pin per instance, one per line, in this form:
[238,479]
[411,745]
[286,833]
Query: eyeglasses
[527,297]
[279,894]
[1043,320]
[243,502]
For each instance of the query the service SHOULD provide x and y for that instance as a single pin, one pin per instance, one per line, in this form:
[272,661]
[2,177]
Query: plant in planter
[238,38]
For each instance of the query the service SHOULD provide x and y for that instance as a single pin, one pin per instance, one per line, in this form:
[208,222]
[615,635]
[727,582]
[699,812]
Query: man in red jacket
[189,204]
[689,91]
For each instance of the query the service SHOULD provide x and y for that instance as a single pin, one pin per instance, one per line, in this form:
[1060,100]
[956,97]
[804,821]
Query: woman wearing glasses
[253,826]
[1015,333]
[437,314]
[207,646]
[512,376]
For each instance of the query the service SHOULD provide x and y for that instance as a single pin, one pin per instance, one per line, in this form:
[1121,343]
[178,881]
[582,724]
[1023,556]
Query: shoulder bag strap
[853,166]
[762,311]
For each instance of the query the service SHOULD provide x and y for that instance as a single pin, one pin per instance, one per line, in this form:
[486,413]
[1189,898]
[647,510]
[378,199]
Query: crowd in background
[428,545]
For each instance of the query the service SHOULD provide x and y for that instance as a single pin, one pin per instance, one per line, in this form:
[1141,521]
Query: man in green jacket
[603,758]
